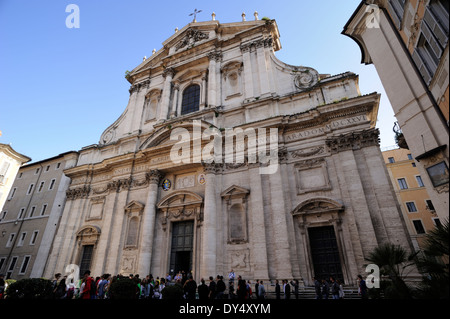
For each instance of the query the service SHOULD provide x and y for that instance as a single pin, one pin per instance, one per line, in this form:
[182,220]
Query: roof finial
[256,16]
[154,51]
[243,17]
[213,15]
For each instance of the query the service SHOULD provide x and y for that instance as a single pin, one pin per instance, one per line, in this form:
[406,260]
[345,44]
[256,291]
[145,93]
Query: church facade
[151,199]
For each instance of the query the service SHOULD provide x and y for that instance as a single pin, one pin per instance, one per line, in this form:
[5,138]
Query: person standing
[212,288]
[325,289]
[341,290]
[190,287]
[231,276]
[362,288]
[287,290]
[295,284]
[203,290]
[334,288]
[317,288]
[87,285]
[277,290]
[261,291]
[220,287]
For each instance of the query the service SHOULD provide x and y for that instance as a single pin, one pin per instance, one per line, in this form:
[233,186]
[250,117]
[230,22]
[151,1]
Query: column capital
[215,56]
[169,72]
[212,168]
[154,176]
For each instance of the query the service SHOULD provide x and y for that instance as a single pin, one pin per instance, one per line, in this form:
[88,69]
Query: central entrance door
[182,246]
[325,253]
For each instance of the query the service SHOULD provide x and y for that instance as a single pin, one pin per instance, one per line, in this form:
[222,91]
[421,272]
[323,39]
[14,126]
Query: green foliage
[172,292]
[123,288]
[30,288]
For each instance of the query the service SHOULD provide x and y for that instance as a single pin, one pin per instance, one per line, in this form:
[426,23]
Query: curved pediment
[162,135]
[317,206]
[180,198]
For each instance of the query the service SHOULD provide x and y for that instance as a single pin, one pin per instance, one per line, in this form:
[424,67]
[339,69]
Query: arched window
[191,99]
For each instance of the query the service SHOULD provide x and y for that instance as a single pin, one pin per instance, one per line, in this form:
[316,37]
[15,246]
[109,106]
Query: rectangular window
[32,210]
[438,174]
[58,166]
[34,237]
[2,217]
[22,239]
[397,8]
[21,213]
[41,186]
[410,157]
[86,258]
[2,262]
[391,160]
[44,209]
[402,183]
[13,192]
[12,264]
[52,184]
[10,240]
[3,170]
[37,171]
[20,175]
[411,206]
[418,226]
[437,222]
[47,168]
[430,205]
[419,181]
[24,266]
[30,189]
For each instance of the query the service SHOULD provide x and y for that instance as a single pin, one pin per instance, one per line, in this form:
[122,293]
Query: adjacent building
[10,162]
[416,205]
[30,216]
[301,191]
[407,41]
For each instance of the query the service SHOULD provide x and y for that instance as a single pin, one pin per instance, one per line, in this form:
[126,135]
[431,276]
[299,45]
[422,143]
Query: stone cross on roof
[195,14]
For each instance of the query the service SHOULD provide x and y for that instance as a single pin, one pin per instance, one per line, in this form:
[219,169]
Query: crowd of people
[215,288]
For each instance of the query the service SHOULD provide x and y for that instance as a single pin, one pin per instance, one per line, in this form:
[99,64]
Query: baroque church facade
[132,209]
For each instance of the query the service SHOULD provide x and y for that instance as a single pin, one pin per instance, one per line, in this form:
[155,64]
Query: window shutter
[431,40]
[435,28]
[422,67]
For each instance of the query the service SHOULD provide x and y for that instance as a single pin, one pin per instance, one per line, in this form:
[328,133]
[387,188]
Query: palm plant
[433,264]
[393,261]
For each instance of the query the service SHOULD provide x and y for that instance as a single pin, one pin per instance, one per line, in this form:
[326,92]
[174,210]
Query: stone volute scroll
[305,78]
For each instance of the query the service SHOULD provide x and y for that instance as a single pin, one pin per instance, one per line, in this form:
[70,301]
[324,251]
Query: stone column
[148,224]
[203,96]
[165,101]
[281,248]
[176,107]
[248,78]
[209,239]
[214,57]
[258,237]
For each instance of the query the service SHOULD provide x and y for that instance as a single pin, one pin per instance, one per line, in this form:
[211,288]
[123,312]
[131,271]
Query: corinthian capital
[154,176]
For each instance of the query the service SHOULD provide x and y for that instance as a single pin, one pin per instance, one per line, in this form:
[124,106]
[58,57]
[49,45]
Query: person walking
[341,289]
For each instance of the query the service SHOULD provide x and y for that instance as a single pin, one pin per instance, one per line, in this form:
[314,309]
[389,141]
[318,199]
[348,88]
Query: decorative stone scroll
[191,37]
[353,141]
[80,192]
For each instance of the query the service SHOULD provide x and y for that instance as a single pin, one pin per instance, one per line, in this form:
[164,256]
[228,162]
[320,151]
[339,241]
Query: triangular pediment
[134,206]
[235,191]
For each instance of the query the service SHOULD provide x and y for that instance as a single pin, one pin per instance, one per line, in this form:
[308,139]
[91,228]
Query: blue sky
[60,88]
